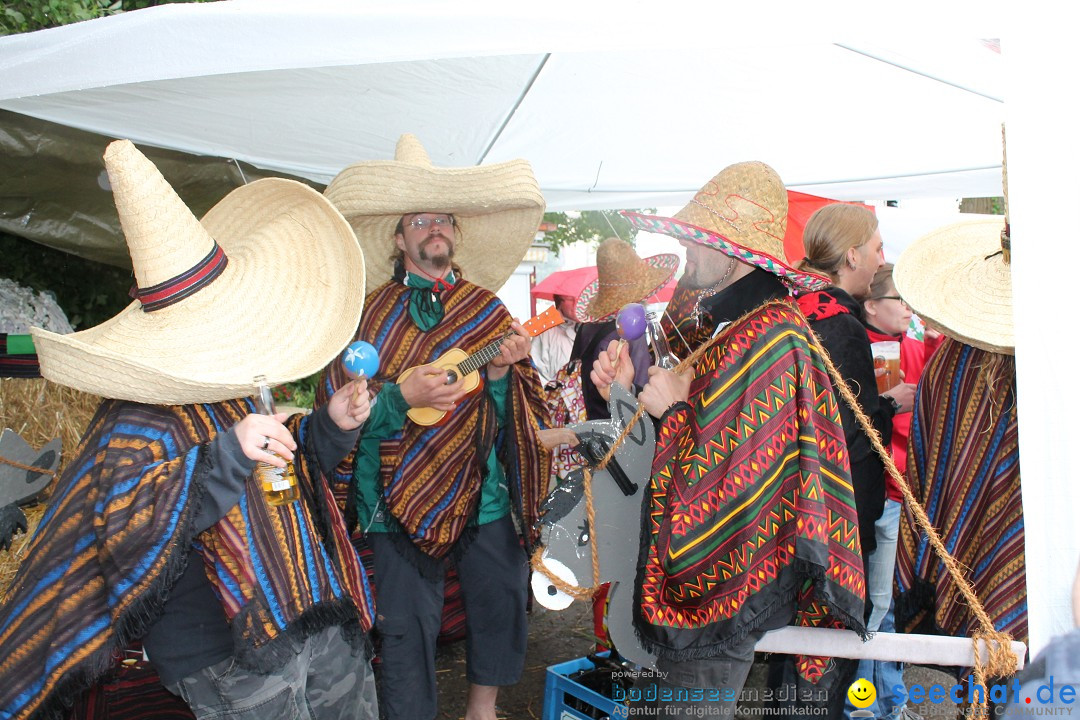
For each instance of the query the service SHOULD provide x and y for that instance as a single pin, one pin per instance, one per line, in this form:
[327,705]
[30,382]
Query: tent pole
[517,104]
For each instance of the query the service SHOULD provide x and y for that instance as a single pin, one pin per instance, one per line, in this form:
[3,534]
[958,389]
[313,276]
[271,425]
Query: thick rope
[1000,661]
[29,468]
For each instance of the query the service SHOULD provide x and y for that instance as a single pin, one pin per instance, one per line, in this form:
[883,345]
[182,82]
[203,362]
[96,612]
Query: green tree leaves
[589,226]
[19,16]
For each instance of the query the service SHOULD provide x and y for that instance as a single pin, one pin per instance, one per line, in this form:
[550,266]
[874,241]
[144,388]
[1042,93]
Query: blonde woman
[843,242]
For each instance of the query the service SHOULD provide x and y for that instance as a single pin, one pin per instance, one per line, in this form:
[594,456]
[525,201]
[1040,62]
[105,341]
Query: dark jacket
[843,336]
[592,339]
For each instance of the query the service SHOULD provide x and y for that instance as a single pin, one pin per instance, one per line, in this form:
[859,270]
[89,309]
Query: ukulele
[461,365]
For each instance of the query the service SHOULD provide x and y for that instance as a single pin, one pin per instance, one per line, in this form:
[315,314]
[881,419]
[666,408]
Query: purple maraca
[630,322]
[361,360]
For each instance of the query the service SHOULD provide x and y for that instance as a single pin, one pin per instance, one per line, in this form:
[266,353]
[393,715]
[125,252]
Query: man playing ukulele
[426,494]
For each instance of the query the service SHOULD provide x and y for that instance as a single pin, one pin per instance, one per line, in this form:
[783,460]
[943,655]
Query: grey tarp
[54,189]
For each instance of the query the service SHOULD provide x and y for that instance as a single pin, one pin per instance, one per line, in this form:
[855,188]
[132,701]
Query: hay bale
[40,410]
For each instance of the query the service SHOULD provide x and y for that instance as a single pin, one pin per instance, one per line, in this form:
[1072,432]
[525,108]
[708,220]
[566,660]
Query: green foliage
[20,16]
[298,394]
[591,226]
[26,15]
[88,292]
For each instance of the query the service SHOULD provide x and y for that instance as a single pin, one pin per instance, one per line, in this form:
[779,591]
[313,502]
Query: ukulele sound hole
[451,377]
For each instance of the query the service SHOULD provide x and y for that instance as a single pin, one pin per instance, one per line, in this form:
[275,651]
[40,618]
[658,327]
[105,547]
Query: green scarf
[425,305]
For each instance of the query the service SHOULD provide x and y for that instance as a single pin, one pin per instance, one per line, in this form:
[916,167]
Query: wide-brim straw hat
[741,212]
[958,279]
[622,277]
[497,208]
[279,294]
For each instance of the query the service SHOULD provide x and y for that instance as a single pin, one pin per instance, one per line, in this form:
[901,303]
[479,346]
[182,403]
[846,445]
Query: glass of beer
[887,358]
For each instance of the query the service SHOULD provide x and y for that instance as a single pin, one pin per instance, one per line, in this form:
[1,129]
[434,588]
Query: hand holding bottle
[664,389]
[264,438]
[277,476]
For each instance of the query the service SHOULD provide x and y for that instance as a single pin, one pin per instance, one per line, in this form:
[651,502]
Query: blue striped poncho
[116,537]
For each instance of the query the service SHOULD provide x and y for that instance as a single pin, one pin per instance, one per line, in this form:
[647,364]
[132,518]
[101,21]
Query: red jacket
[913,356]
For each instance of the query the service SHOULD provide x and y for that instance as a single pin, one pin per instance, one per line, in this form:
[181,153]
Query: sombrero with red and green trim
[622,277]
[741,212]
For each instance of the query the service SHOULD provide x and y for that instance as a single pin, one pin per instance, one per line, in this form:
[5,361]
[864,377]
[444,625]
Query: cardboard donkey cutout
[19,485]
[617,492]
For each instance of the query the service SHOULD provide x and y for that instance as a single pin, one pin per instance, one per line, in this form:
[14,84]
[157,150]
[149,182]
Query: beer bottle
[662,355]
[279,484]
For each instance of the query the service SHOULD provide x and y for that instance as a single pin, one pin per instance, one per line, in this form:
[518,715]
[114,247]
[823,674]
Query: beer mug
[887,357]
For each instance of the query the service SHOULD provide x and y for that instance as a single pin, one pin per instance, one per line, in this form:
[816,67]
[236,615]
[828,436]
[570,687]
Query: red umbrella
[564,282]
[572,282]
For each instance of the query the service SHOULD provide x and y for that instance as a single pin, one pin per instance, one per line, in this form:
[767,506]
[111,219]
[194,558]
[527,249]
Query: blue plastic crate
[563,696]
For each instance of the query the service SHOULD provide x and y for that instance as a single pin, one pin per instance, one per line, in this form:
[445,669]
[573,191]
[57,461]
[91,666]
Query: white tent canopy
[623,109]
[632,105]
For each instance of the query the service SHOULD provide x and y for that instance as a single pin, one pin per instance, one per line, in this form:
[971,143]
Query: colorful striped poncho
[116,536]
[431,476]
[964,468]
[750,508]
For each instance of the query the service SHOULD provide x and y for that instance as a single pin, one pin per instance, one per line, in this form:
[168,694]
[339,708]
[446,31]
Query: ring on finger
[266,442]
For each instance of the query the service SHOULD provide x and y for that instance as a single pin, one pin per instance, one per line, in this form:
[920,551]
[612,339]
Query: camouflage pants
[325,681]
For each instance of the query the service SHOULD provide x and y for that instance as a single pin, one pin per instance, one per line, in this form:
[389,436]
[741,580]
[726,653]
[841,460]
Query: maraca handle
[618,354]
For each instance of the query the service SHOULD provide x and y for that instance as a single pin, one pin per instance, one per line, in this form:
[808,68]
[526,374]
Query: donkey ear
[18,485]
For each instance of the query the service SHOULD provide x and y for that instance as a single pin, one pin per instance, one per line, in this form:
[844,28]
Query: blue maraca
[361,360]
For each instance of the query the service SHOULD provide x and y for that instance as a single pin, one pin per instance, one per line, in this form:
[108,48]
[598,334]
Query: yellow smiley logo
[862,693]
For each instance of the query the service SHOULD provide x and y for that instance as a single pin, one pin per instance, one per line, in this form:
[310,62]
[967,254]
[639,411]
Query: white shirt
[551,350]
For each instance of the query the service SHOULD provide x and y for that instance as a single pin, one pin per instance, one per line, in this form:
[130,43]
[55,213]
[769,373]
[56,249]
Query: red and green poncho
[750,506]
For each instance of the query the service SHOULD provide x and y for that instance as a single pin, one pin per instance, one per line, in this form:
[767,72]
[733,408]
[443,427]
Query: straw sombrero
[278,294]
[498,209]
[622,277]
[957,278]
[743,213]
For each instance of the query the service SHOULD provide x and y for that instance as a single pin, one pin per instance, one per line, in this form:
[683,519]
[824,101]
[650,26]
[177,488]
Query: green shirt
[387,418]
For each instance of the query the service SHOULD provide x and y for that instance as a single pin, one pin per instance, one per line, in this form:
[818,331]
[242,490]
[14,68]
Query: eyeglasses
[890,297]
[423,223]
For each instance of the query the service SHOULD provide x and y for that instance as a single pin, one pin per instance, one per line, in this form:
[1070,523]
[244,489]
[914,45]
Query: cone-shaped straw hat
[958,279]
[497,207]
[270,283]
